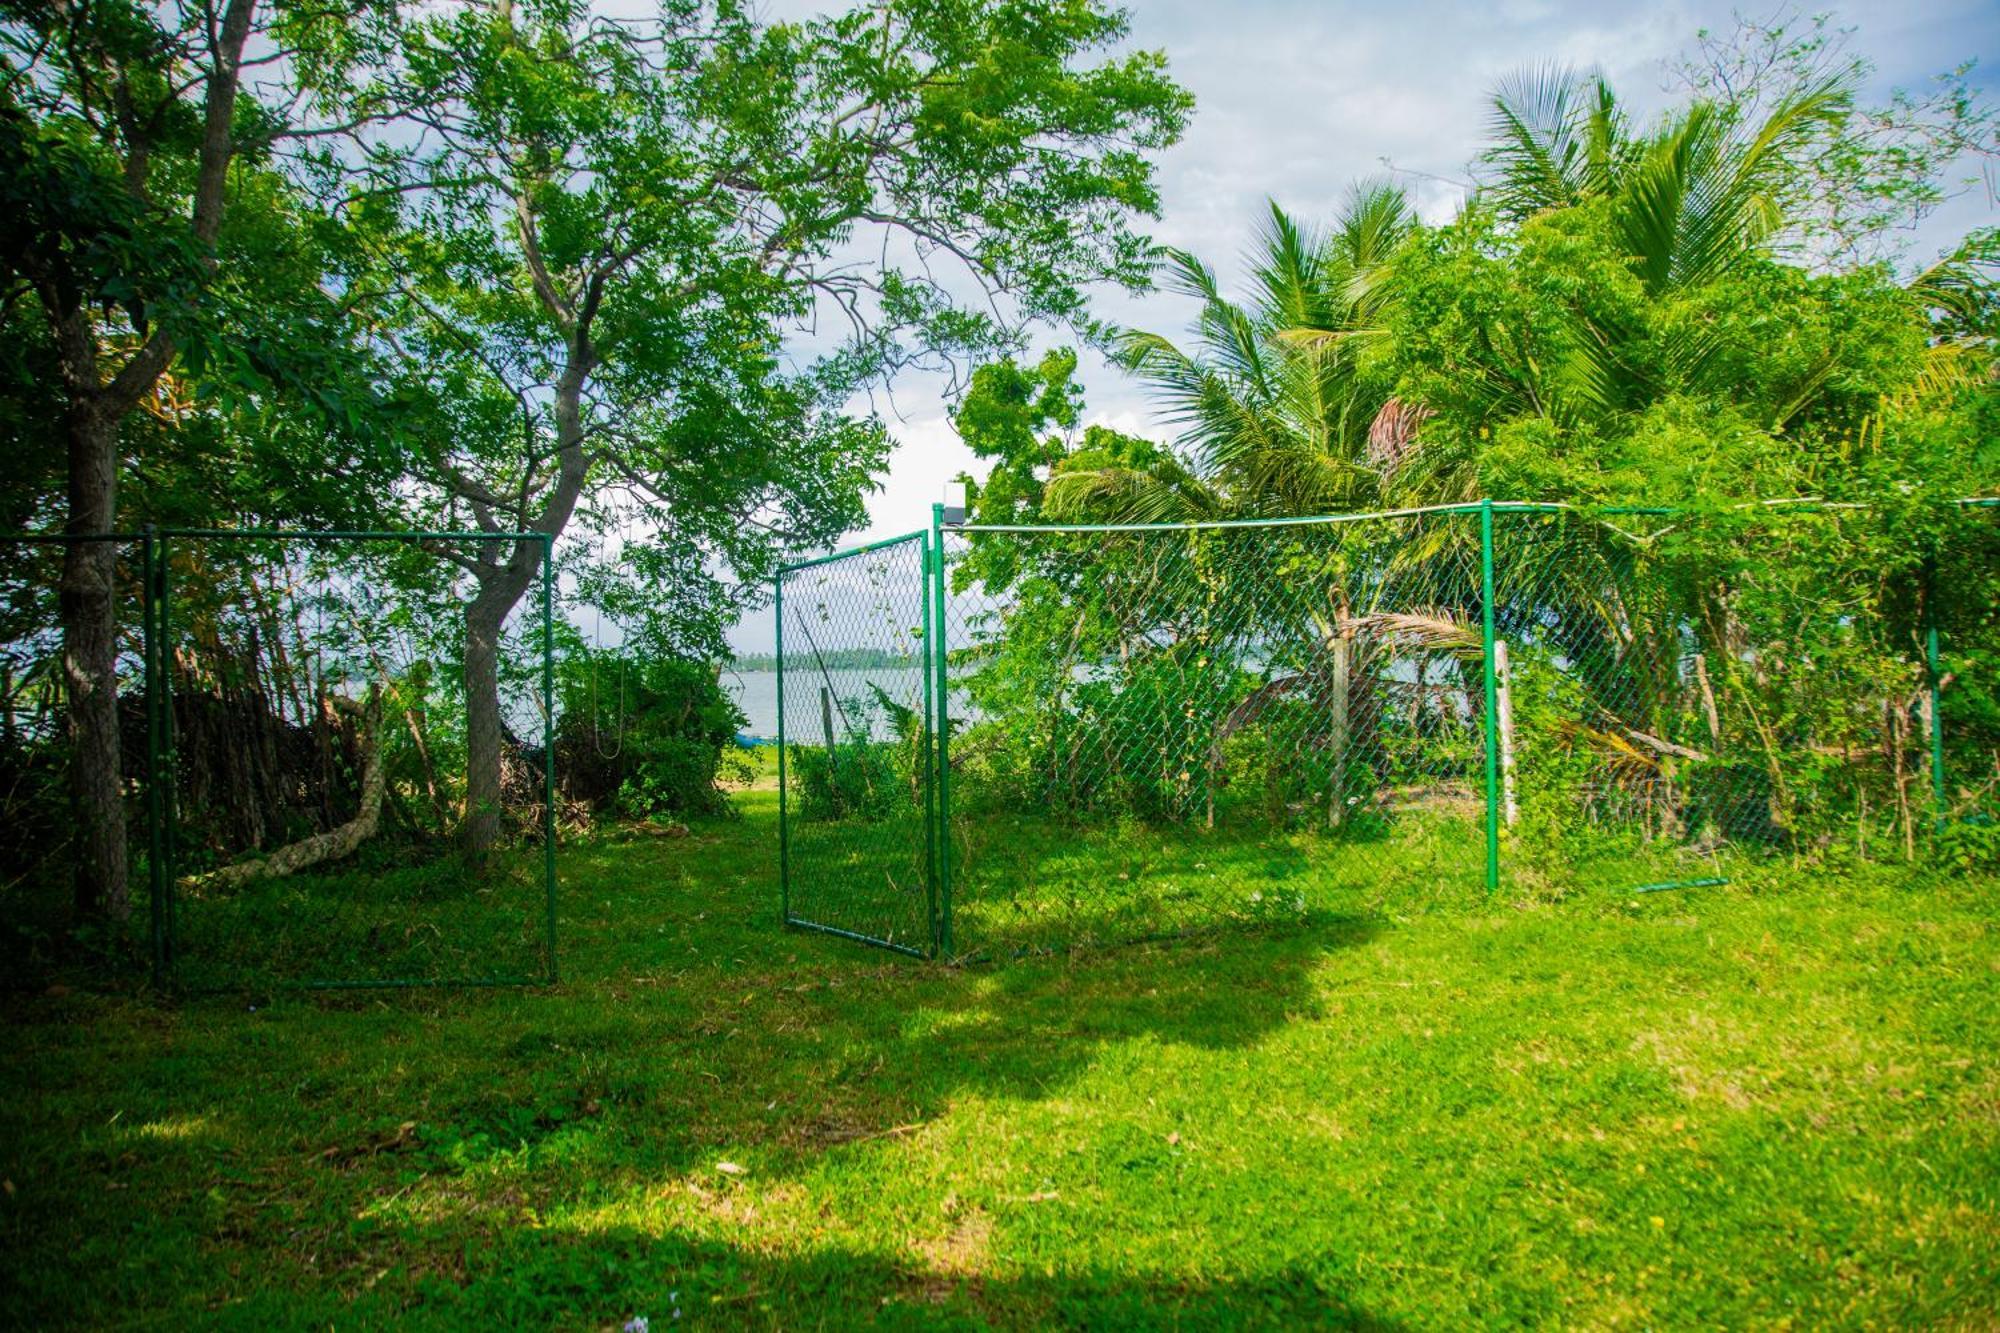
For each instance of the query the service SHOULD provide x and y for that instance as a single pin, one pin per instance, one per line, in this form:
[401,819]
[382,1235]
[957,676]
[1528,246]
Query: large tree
[119,127]
[651,263]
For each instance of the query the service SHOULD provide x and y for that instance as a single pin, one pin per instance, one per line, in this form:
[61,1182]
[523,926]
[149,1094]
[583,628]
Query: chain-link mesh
[854,712]
[1154,731]
[42,832]
[319,799]
[1963,657]
[1687,694]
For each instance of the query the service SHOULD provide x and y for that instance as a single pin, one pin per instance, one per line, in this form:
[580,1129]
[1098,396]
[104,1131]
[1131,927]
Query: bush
[862,777]
[643,735]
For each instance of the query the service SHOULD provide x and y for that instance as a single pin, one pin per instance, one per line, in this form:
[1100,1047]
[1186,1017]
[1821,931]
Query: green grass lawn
[1716,1107]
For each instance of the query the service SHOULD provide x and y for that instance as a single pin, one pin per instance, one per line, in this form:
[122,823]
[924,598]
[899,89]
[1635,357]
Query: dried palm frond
[1627,764]
[1392,436]
[1424,629]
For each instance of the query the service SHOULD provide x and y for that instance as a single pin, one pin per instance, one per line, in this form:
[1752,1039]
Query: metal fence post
[941,659]
[929,553]
[1486,636]
[167,764]
[155,835]
[784,812]
[549,750]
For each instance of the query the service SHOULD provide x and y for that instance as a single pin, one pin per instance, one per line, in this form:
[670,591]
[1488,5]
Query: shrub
[642,734]
[861,776]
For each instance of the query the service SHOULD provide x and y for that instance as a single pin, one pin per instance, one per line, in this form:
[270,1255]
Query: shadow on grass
[694,1027]
[524,1278]
[279,1139]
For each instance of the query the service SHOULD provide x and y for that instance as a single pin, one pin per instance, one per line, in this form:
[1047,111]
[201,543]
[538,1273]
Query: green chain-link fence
[1168,728]
[1127,731]
[1961,625]
[294,719]
[316,700]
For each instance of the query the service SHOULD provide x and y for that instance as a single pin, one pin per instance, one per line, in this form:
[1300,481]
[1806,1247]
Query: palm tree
[1280,414]
[1281,410]
[1688,198]
[1273,398]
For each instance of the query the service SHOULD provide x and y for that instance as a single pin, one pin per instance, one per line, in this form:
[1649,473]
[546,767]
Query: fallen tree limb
[335,842]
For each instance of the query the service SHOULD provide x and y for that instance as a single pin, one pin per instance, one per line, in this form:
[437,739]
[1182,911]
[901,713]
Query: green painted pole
[940,659]
[549,750]
[784,809]
[929,553]
[169,761]
[1934,669]
[1486,636]
[155,835]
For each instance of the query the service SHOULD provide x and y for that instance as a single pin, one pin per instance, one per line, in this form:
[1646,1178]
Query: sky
[1296,100]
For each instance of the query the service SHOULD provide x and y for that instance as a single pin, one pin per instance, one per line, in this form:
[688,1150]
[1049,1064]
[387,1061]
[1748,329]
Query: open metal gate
[855,755]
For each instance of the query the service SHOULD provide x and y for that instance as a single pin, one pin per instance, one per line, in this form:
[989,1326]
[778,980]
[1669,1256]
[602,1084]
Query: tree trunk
[501,587]
[95,404]
[89,610]
[484,620]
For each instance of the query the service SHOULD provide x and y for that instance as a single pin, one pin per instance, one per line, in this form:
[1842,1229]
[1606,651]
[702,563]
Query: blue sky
[1296,101]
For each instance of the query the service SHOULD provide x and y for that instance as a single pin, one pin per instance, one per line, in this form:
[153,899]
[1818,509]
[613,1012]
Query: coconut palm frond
[1951,367]
[1188,276]
[1623,762]
[1962,289]
[1699,194]
[1375,221]
[1288,264]
[1605,140]
[1589,375]
[1270,396]
[1165,493]
[1320,341]
[1540,121]
[1437,547]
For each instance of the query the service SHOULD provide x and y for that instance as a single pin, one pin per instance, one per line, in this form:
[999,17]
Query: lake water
[756,693]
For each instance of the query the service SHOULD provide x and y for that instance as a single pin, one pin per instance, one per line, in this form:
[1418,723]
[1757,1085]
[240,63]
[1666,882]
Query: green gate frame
[937,895]
[163,807]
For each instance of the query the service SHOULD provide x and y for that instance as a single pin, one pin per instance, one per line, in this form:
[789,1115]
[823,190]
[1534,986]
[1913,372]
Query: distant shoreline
[837,659]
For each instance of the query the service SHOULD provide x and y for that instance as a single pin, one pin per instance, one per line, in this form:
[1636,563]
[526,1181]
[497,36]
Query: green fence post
[1933,668]
[927,552]
[784,807]
[168,761]
[149,657]
[940,661]
[1486,636]
[549,750]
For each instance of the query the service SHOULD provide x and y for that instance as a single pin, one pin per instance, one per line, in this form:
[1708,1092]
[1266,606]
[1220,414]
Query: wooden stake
[1504,669]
